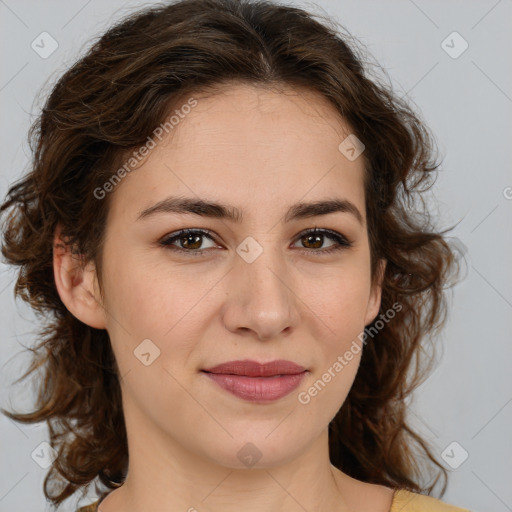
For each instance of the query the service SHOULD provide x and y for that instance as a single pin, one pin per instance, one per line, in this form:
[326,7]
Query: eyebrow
[213,209]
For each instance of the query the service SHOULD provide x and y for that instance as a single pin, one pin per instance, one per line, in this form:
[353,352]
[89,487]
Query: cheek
[149,299]
[155,303]
[326,390]
[171,310]
[152,327]
[341,308]
[340,300]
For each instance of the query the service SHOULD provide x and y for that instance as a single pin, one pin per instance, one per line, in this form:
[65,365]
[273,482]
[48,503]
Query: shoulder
[89,508]
[404,500]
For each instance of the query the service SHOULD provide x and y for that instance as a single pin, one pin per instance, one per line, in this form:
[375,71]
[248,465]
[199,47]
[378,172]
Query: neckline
[396,491]
[393,499]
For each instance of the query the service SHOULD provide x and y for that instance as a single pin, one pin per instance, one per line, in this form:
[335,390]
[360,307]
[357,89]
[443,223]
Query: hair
[106,105]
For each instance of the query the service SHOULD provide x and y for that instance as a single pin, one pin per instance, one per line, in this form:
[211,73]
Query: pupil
[187,243]
[195,240]
[313,237]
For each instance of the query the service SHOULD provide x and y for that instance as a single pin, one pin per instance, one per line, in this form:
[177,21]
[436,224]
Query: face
[257,286]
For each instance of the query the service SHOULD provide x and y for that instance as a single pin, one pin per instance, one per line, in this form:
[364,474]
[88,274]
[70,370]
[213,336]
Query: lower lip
[258,389]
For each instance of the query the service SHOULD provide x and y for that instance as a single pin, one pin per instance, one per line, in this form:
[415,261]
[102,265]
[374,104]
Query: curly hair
[106,105]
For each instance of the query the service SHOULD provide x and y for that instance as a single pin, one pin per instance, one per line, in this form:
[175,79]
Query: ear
[77,284]
[376,293]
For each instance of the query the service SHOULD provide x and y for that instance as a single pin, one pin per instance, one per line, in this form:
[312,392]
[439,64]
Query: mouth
[257,382]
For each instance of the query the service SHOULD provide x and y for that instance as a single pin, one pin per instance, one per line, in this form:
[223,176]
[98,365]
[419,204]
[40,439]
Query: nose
[261,299]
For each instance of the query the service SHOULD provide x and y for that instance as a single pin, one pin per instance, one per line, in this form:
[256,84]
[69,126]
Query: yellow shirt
[403,501]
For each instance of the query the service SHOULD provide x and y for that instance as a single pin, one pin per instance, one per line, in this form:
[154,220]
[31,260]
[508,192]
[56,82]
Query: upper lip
[250,368]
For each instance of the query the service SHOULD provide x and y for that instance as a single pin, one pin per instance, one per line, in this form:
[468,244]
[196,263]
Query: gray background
[467,101]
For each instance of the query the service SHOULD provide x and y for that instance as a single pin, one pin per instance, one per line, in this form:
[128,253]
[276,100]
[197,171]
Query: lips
[250,368]
[255,381]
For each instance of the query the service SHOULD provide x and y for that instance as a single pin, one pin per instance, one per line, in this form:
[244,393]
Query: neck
[165,476]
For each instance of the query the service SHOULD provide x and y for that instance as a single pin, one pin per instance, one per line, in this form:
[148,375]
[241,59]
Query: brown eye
[313,240]
[191,241]
[188,240]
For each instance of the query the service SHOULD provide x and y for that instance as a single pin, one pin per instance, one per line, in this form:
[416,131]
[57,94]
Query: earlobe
[376,293]
[76,284]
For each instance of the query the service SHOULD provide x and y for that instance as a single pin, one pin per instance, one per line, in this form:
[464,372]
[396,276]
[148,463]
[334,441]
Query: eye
[189,240]
[315,238]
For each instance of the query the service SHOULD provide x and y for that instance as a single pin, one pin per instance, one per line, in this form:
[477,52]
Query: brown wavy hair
[106,105]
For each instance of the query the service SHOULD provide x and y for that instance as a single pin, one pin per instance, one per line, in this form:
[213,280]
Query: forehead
[248,146]
[243,116]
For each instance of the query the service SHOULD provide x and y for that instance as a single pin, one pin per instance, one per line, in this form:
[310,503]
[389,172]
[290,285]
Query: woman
[221,224]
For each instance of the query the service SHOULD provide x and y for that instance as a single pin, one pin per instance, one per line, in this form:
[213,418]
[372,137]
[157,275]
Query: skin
[261,151]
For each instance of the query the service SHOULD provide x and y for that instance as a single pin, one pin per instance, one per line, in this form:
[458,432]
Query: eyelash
[341,241]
